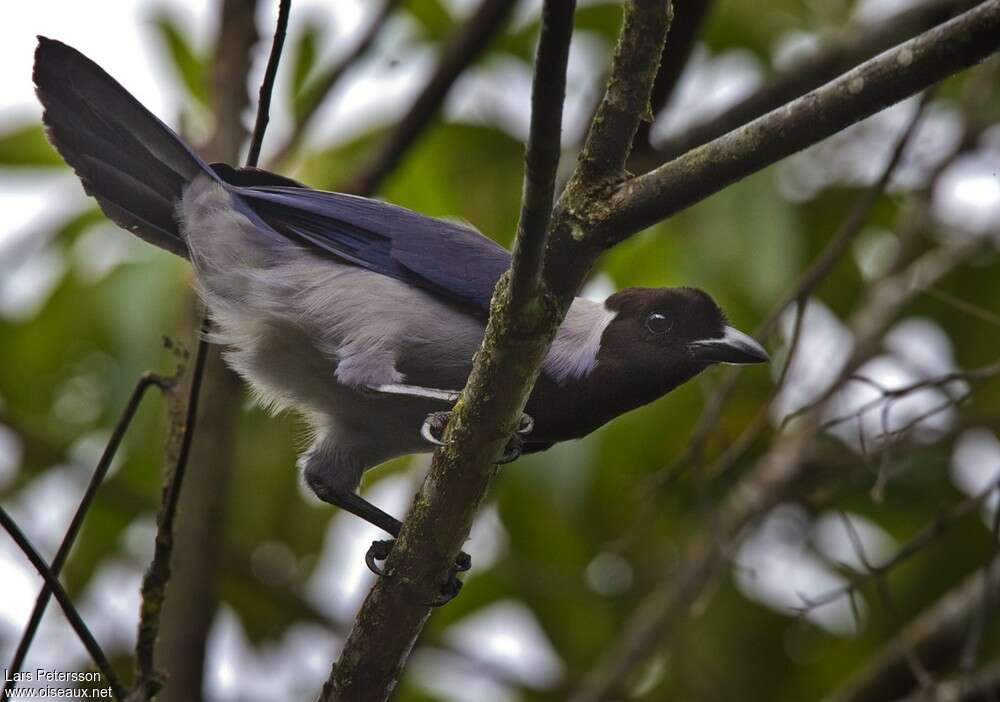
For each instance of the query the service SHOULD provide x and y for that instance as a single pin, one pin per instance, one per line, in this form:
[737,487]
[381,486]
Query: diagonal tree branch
[625,102]
[324,84]
[600,206]
[147,381]
[464,45]
[503,373]
[935,635]
[267,85]
[82,632]
[872,86]
[852,46]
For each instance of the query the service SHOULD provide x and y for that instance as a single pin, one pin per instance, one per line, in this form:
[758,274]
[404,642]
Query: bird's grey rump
[312,334]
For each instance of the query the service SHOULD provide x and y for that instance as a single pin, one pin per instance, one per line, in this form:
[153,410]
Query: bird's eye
[658,323]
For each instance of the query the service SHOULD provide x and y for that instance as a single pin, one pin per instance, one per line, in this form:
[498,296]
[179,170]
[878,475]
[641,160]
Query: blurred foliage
[66,372]
[192,68]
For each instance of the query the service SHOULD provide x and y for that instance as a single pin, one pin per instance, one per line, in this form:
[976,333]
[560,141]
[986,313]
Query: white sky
[123,44]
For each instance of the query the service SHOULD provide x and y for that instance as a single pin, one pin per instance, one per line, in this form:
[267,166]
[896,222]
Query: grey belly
[286,371]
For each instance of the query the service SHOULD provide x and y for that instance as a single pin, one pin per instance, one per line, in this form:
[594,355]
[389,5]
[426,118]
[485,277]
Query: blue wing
[446,257]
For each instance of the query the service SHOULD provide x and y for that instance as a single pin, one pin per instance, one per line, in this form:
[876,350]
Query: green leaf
[192,68]
[27,146]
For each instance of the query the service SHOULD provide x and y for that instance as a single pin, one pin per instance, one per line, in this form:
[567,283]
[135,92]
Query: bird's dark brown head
[662,337]
[653,340]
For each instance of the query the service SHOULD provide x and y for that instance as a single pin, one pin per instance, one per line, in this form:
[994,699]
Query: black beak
[732,347]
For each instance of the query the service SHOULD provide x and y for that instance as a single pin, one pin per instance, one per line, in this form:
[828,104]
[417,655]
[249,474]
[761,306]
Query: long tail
[133,164]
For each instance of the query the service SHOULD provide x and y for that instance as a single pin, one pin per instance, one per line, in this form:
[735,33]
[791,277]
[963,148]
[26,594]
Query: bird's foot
[379,551]
[433,431]
[512,451]
[433,427]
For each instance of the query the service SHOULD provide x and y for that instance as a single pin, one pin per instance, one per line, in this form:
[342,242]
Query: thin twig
[974,641]
[935,634]
[153,590]
[103,465]
[656,617]
[154,582]
[910,655]
[322,87]
[965,306]
[976,375]
[981,685]
[267,86]
[804,287]
[941,525]
[72,615]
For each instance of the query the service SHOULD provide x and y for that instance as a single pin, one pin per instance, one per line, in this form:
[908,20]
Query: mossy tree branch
[600,206]
[874,85]
[849,47]
[516,339]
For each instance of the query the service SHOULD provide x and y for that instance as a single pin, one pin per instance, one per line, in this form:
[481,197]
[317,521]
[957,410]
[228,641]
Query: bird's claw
[449,591]
[512,451]
[379,551]
[525,425]
[433,427]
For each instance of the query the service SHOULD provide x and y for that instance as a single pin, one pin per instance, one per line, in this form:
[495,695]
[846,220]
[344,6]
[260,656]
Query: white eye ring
[657,323]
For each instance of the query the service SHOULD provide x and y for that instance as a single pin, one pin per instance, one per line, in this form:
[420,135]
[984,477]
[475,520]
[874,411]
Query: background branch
[872,86]
[267,85]
[174,622]
[851,46]
[75,621]
[936,635]
[147,381]
[655,620]
[325,84]
[461,49]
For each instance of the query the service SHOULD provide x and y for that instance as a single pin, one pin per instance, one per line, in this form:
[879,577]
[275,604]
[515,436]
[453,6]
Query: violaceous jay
[360,315]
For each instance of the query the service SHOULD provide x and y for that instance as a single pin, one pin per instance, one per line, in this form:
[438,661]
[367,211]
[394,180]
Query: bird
[361,316]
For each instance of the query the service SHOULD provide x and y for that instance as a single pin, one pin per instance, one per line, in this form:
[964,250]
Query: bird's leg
[434,425]
[334,487]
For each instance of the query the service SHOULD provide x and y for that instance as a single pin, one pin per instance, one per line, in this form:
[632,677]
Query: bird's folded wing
[445,257]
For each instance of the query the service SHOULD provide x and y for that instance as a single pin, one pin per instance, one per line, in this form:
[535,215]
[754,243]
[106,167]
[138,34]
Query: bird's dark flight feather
[446,257]
[137,168]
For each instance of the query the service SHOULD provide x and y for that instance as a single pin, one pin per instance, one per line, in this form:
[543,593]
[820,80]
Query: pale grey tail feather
[131,162]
